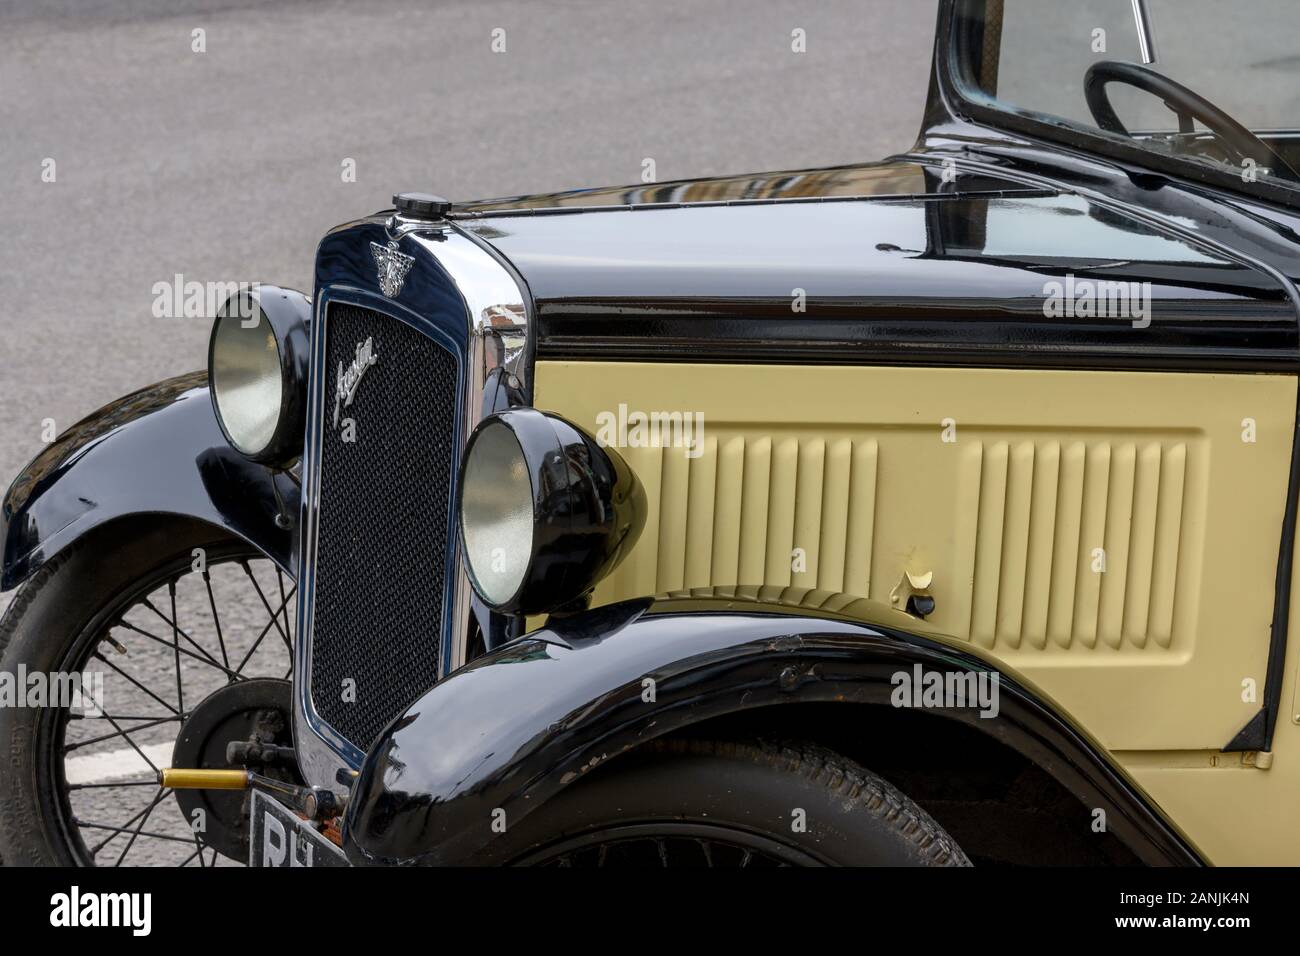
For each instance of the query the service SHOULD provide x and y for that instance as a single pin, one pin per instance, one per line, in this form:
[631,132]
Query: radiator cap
[422,205]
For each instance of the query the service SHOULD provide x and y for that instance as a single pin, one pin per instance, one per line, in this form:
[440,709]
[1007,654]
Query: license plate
[282,838]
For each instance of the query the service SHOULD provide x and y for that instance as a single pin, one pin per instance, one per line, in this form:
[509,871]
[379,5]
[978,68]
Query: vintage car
[932,511]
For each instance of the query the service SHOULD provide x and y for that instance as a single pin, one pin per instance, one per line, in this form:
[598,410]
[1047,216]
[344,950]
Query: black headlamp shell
[588,508]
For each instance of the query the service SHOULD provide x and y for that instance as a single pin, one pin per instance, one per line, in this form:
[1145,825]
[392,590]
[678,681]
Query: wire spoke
[147,834]
[116,717]
[284,603]
[68,748]
[118,831]
[204,659]
[260,637]
[125,783]
[136,683]
[176,645]
[216,620]
[124,828]
[127,827]
[275,615]
[126,736]
[140,826]
[170,623]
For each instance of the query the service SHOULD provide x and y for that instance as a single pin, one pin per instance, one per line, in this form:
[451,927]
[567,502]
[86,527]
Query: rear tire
[712,803]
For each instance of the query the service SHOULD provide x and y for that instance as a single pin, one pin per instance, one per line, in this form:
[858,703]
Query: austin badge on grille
[393,266]
[349,379]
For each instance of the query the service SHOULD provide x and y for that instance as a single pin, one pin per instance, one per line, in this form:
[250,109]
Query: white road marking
[117,764]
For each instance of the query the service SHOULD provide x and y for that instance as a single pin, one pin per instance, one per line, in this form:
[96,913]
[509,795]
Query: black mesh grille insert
[382,526]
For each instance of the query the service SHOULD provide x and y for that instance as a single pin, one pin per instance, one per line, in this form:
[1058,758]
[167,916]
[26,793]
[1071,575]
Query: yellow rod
[178,779]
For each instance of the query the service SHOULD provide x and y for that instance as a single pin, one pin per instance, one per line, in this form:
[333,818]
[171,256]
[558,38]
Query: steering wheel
[1185,103]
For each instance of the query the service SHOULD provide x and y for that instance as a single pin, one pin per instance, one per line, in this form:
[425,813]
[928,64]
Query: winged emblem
[393,266]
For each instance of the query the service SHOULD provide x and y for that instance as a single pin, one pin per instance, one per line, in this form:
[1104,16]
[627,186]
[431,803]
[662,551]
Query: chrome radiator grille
[382,537]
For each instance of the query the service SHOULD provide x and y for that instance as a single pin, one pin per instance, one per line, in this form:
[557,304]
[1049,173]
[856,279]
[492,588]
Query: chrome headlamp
[544,512]
[258,356]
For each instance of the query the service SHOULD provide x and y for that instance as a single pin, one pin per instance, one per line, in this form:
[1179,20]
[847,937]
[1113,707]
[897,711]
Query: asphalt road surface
[227,165]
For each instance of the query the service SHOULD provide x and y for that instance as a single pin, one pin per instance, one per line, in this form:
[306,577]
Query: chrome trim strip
[497,322]
[497,332]
[324,751]
[319,750]
[1145,31]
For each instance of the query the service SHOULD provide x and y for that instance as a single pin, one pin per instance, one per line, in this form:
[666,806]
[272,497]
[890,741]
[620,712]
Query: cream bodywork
[1109,537]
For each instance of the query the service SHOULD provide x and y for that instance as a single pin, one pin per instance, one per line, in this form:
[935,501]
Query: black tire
[710,803]
[51,626]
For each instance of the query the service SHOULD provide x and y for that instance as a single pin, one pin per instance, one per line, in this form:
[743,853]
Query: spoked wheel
[715,803]
[672,845]
[183,638]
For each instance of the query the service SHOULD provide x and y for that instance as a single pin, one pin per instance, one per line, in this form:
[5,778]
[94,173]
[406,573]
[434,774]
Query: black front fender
[157,451]
[510,730]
